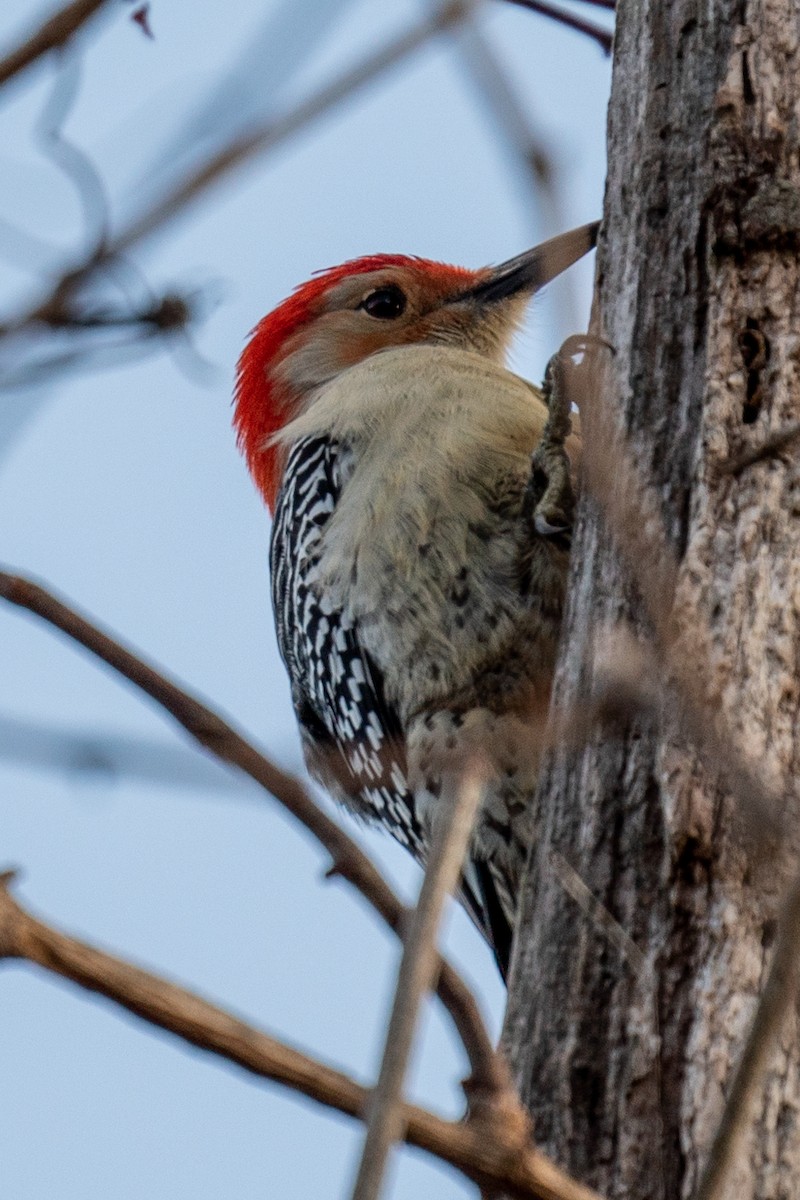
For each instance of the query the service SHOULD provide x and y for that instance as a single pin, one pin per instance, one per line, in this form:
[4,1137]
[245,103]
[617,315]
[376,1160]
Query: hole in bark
[754,349]
[692,861]
[747,83]
[768,931]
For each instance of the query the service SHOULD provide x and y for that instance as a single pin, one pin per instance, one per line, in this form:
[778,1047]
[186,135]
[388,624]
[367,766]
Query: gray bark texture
[624,1058]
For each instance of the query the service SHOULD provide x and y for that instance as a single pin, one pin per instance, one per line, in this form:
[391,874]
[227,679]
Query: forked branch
[489,1071]
[516,1171]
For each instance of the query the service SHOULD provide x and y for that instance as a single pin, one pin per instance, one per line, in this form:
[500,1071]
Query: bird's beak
[530,271]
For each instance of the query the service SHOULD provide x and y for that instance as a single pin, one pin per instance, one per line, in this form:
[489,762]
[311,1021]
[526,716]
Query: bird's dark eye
[386,303]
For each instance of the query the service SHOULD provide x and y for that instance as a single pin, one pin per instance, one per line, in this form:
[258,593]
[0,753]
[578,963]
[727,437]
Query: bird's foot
[550,499]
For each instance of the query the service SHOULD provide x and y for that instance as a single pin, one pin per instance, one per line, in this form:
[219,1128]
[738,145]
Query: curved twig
[603,37]
[239,151]
[489,1070]
[492,1161]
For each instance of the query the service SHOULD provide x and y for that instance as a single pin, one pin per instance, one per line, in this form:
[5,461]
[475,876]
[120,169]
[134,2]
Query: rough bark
[622,1059]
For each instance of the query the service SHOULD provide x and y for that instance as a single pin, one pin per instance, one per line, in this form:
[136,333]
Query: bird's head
[347,313]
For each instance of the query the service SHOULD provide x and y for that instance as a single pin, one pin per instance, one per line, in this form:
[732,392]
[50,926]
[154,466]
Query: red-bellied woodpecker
[418,590]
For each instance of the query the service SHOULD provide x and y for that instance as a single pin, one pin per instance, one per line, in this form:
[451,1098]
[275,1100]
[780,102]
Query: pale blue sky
[125,491]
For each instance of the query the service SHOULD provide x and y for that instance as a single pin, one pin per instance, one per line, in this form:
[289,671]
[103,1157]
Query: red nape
[261,407]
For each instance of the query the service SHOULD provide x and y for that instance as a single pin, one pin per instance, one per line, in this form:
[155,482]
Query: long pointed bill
[530,271]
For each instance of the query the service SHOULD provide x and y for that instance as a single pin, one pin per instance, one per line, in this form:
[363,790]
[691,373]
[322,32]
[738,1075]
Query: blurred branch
[215,735]
[491,1161]
[769,448]
[167,313]
[491,78]
[600,35]
[69,158]
[52,35]
[112,757]
[165,317]
[56,306]
[451,834]
[777,1000]
[275,50]
[540,178]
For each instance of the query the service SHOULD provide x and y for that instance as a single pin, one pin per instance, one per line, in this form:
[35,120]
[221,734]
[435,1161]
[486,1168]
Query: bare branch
[521,1171]
[451,834]
[71,159]
[507,109]
[769,448]
[777,1000]
[239,151]
[489,1070]
[602,36]
[52,35]
[110,756]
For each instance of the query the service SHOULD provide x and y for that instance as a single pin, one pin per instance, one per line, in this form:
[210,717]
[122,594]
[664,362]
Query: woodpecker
[417,584]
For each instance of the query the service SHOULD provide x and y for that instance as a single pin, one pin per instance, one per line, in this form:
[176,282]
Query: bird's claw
[550,499]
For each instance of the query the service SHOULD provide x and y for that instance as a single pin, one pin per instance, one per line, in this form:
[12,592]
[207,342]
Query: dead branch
[602,36]
[56,306]
[451,835]
[489,1070]
[211,1028]
[52,35]
[520,1171]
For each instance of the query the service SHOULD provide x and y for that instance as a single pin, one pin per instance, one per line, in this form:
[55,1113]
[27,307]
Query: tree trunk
[624,1058]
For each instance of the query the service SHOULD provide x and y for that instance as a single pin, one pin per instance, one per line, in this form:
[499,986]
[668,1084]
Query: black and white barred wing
[352,737]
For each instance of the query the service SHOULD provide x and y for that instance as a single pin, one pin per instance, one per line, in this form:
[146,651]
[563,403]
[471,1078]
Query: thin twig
[492,1162]
[239,151]
[769,448]
[71,159]
[489,1070]
[777,1000]
[506,106]
[451,834]
[540,177]
[596,911]
[52,35]
[602,36]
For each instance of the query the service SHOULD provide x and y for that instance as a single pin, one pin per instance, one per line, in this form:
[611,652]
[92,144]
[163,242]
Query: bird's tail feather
[490,904]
